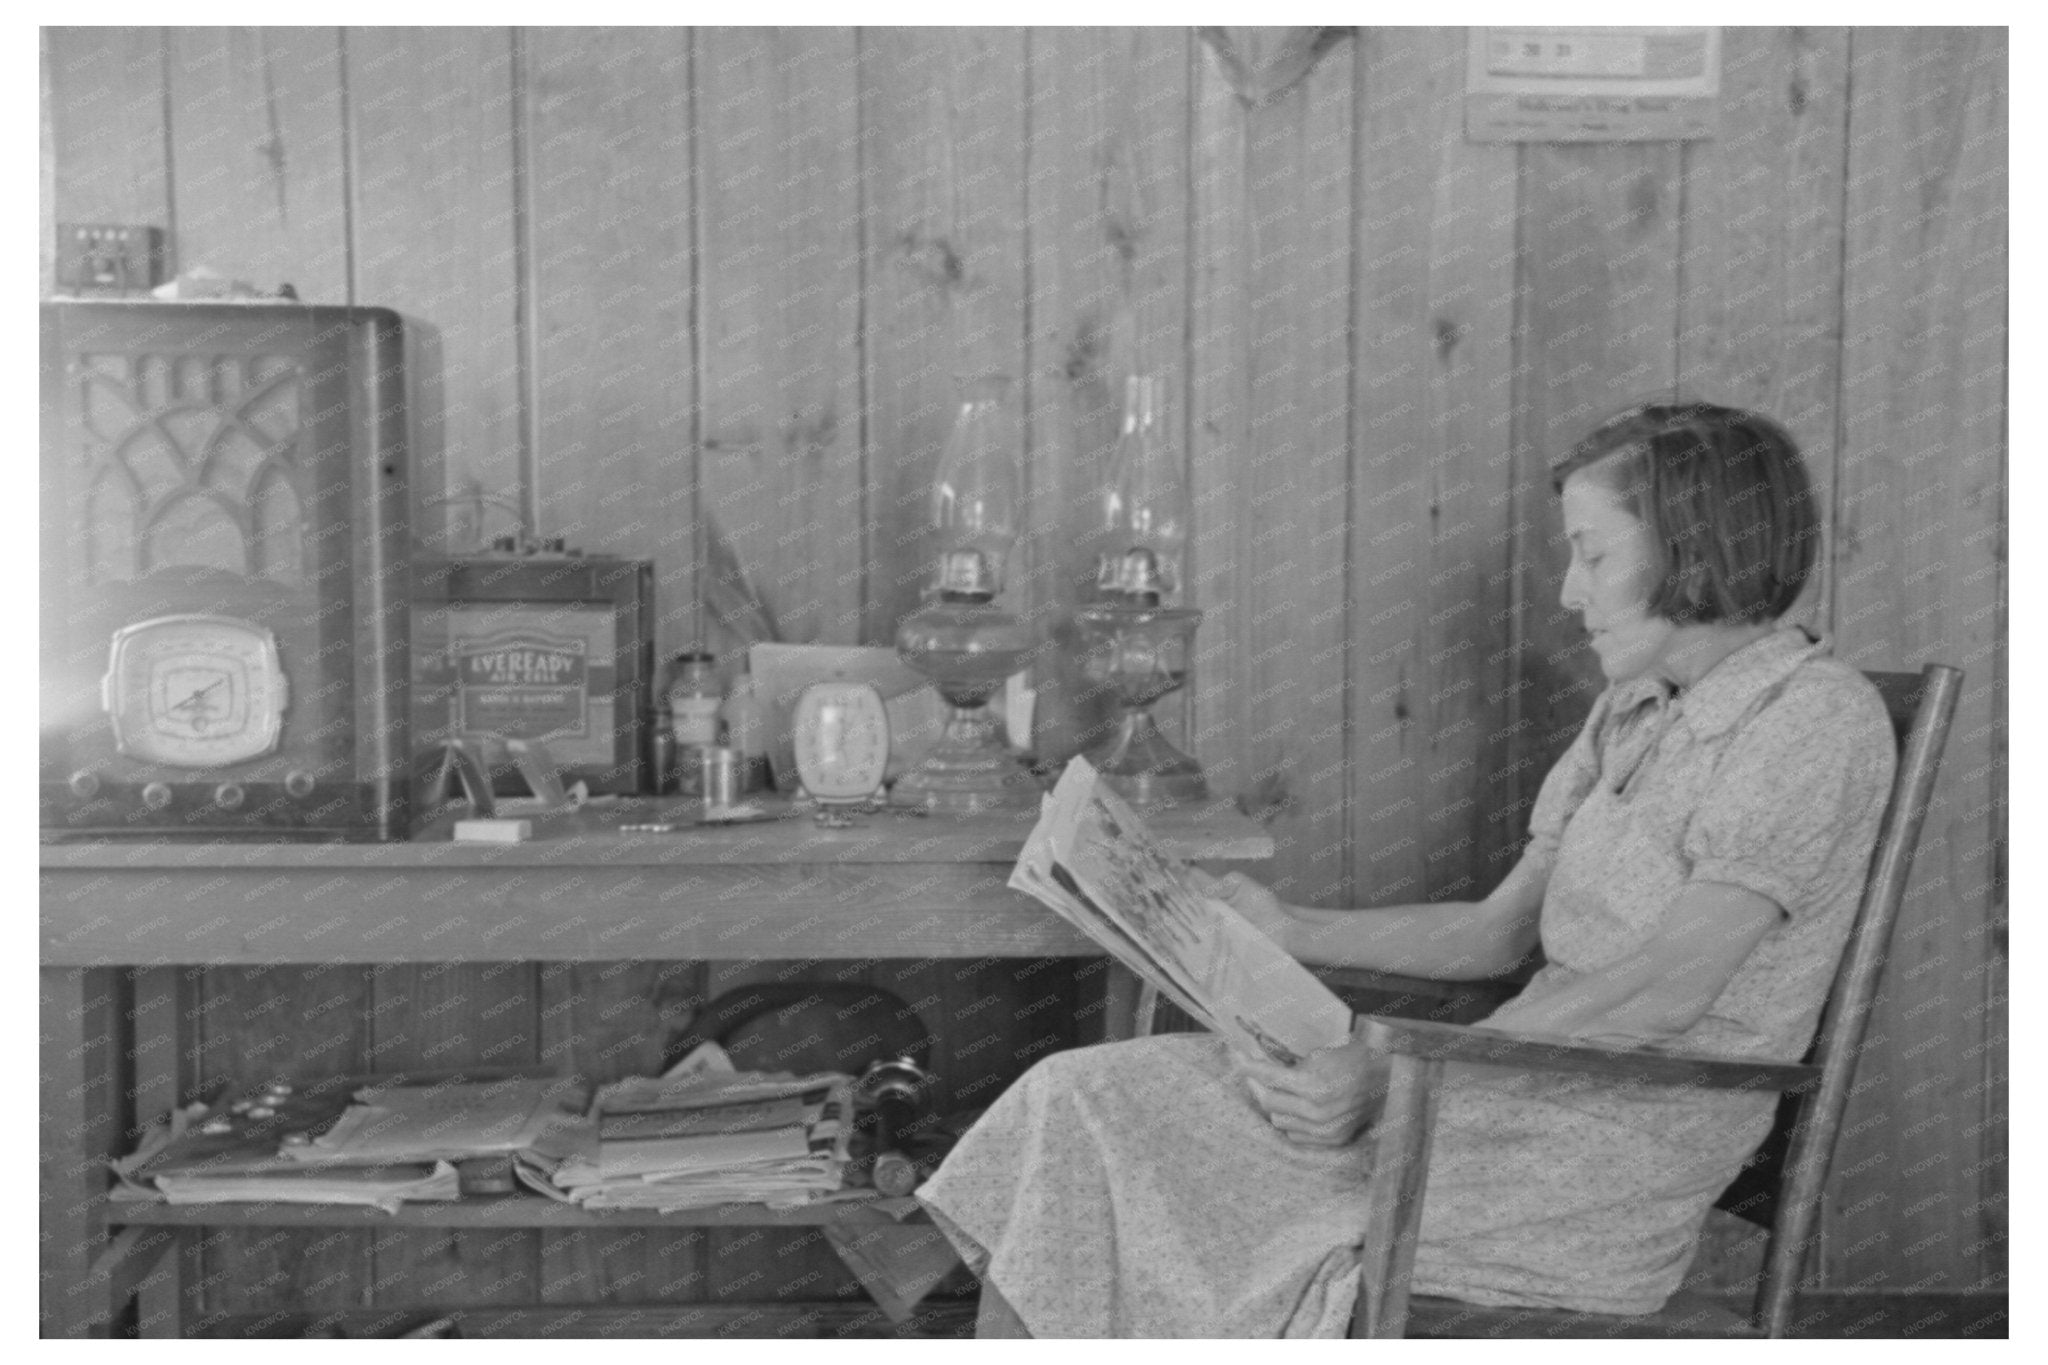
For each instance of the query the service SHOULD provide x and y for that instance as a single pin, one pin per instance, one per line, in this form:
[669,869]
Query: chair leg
[1400,1168]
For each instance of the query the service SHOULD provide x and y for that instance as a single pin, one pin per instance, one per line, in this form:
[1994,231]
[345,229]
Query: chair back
[1921,706]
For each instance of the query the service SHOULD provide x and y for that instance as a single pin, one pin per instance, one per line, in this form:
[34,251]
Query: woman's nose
[1572,595]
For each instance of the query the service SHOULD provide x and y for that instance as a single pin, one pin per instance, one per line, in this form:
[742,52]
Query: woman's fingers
[1304,1078]
[1233,887]
[1312,1132]
[1280,1106]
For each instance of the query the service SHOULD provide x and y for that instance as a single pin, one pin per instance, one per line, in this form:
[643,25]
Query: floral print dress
[1134,1189]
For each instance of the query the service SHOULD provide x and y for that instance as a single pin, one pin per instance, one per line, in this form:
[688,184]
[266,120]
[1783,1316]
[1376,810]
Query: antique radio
[223,572]
[553,646]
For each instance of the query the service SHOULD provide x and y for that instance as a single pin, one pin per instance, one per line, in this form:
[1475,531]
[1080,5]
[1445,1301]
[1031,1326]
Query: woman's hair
[1727,497]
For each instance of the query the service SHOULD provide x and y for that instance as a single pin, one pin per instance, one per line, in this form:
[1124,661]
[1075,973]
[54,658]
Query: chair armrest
[1641,1066]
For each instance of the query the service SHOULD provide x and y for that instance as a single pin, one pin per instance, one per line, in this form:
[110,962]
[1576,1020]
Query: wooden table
[893,886]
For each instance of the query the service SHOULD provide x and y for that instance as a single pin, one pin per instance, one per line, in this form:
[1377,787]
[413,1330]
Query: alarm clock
[841,735]
[224,572]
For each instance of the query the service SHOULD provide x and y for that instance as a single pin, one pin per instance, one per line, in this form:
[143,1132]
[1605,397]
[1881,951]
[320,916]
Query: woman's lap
[1134,1189]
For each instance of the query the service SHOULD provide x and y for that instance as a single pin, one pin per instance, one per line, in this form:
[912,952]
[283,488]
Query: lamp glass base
[1144,769]
[969,771]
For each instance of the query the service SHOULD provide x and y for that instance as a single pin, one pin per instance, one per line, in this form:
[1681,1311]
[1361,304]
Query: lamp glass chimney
[975,495]
[1145,511]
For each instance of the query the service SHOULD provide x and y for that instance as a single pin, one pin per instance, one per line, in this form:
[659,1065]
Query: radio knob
[229,796]
[299,783]
[85,784]
[156,795]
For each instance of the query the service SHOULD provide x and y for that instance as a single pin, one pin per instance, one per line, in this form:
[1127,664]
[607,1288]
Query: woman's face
[1613,570]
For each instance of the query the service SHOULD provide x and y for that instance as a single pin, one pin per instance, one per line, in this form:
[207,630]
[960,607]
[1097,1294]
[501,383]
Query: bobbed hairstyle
[1726,496]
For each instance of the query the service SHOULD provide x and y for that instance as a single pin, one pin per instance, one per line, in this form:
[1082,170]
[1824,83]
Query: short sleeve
[1567,784]
[1792,809]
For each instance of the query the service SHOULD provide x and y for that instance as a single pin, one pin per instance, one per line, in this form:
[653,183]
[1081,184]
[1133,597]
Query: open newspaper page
[1092,860]
[1037,875]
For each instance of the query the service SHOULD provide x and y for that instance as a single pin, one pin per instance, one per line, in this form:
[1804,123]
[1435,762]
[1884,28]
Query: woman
[1694,863]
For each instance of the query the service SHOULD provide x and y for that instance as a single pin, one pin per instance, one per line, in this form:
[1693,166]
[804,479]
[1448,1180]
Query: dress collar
[1727,691]
[1639,711]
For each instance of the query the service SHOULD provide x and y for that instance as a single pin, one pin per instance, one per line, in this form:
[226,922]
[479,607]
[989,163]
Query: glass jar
[693,696]
[746,730]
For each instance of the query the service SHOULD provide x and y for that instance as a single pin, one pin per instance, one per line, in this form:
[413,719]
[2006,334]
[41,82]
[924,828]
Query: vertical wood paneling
[598,1021]
[942,204]
[434,143]
[1219,422]
[779,240]
[107,127]
[256,139]
[769,1263]
[447,1016]
[1918,555]
[300,1023]
[432,110]
[1106,217]
[166,1027]
[77,1129]
[1377,335]
[1595,328]
[46,171]
[1760,270]
[943,207]
[779,259]
[1271,309]
[610,168]
[1432,481]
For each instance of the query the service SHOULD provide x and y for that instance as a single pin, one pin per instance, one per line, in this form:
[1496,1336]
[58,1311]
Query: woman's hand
[1325,1099]
[1267,912]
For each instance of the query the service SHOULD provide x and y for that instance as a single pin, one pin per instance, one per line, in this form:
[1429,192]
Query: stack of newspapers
[690,1141]
[377,1140]
[1093,861]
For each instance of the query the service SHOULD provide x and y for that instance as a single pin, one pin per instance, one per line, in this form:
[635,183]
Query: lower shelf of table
[501,1211]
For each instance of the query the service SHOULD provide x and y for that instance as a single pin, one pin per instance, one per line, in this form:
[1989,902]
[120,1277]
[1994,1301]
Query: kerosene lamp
[1138,634]
[961,639]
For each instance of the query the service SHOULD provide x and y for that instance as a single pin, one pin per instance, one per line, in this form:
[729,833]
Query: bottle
[693,701]
[746,730]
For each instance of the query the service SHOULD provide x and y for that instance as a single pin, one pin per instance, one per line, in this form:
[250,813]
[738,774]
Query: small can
[720,767]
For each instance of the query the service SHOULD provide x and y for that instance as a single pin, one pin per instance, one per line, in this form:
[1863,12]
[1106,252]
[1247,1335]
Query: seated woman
[1695,861]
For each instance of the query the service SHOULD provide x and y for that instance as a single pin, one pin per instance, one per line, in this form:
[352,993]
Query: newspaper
[1092,860]
[706,1138]
[448,1120]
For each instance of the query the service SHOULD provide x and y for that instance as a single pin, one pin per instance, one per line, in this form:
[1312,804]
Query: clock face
[841,732]
[194,691]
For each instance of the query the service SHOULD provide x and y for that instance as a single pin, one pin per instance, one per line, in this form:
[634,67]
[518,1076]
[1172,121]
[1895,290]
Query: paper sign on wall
[1548,84]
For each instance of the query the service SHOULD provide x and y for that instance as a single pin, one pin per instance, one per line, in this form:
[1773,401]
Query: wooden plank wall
[664,278]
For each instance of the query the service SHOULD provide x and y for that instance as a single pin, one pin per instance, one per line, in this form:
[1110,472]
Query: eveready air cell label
[524,684]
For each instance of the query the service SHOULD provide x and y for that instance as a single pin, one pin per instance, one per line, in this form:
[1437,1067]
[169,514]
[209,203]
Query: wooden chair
[1780,1188]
